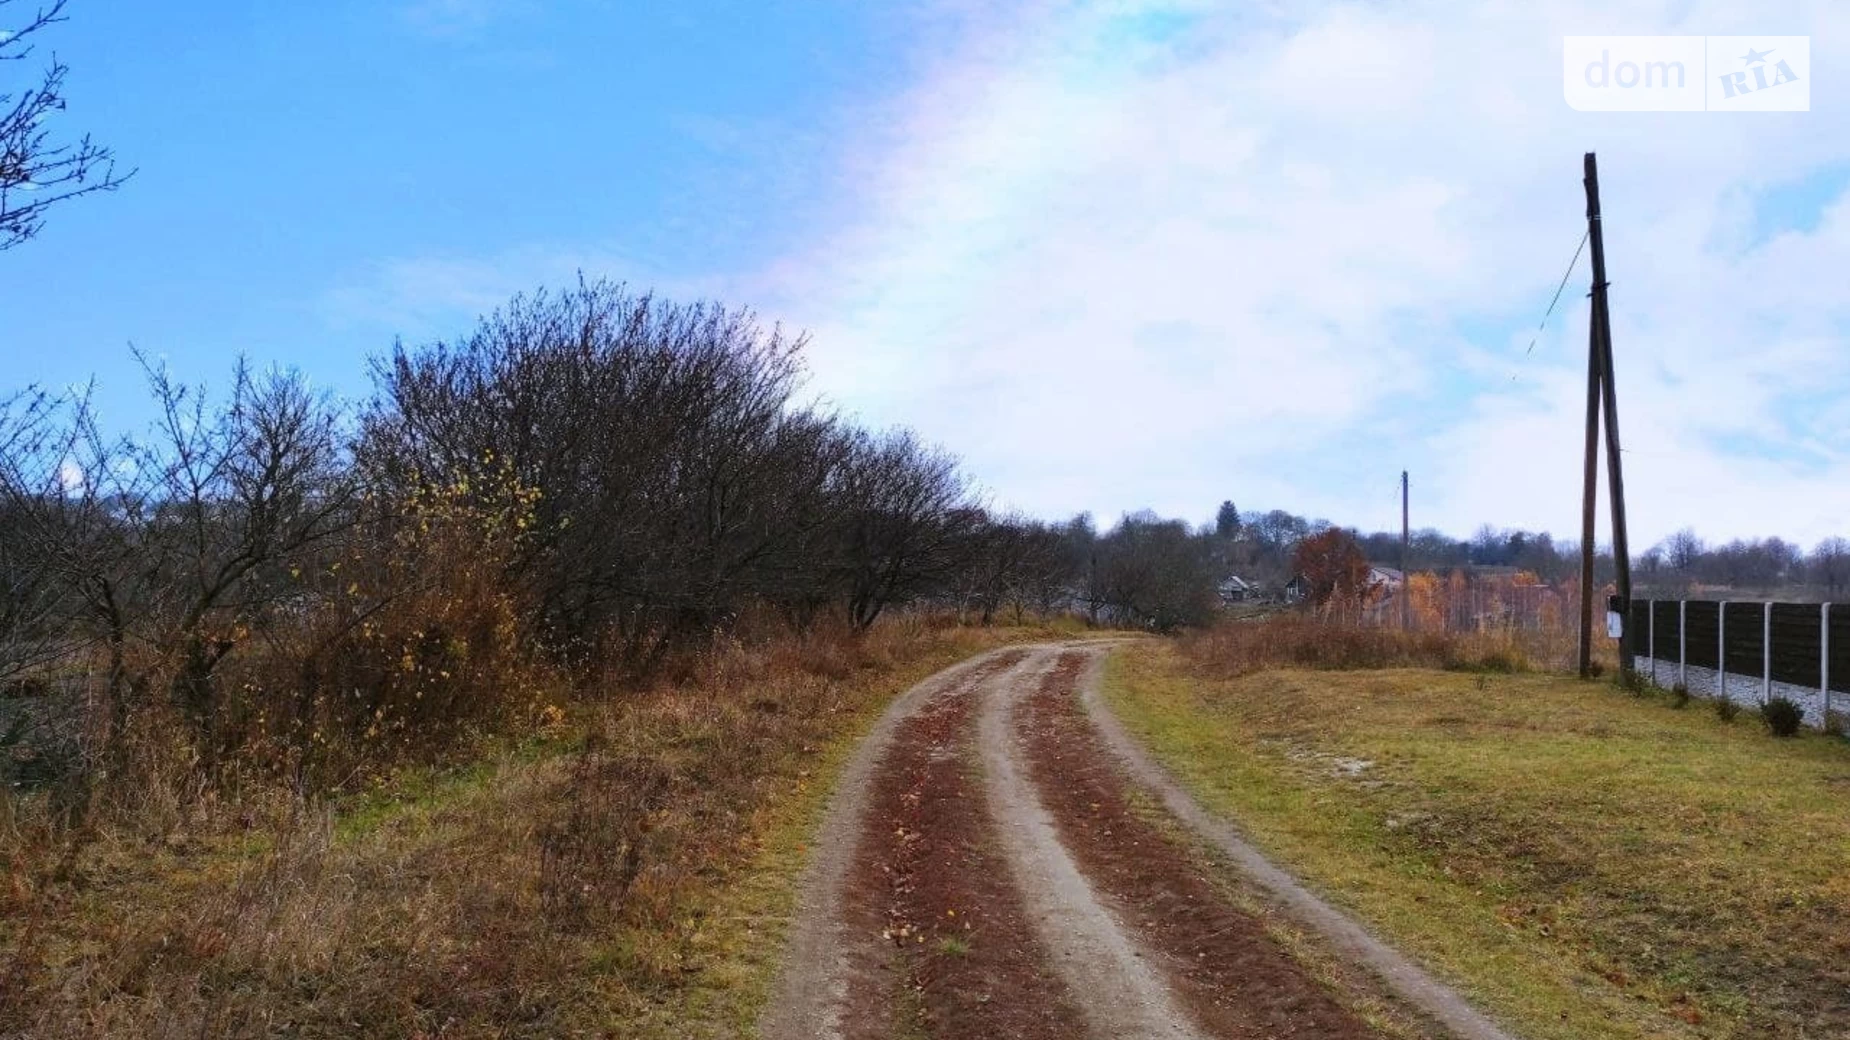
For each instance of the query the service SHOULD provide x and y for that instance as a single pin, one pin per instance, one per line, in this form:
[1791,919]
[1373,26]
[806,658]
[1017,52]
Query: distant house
[1235,589]
[1383,584]
[1297,590]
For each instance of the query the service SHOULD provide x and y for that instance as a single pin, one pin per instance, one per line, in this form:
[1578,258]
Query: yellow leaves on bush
[419,644]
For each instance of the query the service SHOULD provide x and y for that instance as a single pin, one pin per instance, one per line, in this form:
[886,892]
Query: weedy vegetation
[1301,641]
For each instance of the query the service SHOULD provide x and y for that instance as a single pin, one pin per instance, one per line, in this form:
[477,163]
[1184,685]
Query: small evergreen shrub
[1782,716]
[1679,696]
[1834,723]
[1726,709]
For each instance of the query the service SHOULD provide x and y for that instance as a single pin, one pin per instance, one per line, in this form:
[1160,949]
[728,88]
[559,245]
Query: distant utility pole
[1406,580]
[1602,396]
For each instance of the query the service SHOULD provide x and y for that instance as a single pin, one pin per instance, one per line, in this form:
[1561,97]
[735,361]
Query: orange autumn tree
[1425,601]
[1334,567]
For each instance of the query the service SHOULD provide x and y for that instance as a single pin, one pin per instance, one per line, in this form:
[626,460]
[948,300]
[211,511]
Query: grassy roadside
[1584,863]
[477,901]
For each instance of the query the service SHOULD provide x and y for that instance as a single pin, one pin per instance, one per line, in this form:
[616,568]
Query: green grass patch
[1582,863]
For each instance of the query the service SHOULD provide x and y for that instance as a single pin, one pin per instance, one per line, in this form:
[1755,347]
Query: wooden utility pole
[1406,583]
[1615,467]
[1602,396]
[1589,492]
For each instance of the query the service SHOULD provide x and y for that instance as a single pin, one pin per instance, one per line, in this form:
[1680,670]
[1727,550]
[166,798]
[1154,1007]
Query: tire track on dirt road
[981,875]
[824,954]
[1228,970]
[962,959]
[1124,995]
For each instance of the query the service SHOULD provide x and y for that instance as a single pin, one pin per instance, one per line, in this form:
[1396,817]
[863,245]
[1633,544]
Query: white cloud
[1269,255]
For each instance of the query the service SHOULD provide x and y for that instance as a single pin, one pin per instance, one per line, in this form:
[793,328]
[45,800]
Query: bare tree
[1682,550]
[31,595]
[902,516]
[1010,561]
[175,548]
[1830,564]
[1155,573]
[1043,573]
[38,171]
[244,497]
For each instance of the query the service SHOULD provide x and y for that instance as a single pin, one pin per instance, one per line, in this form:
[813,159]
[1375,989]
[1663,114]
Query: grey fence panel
[1798,638]
[1702,621]
[1667,620]
[1744,640]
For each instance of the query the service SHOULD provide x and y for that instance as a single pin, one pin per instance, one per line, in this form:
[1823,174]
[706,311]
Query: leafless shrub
[1013,563]
[1151,573]
[677,483]
[902,514]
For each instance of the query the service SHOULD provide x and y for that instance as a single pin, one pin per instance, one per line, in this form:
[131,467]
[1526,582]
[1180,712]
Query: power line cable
[1565,275]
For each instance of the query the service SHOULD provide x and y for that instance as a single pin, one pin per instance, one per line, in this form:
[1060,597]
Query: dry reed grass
[1301,641]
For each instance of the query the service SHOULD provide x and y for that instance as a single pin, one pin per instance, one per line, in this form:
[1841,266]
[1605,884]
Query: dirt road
[994,866]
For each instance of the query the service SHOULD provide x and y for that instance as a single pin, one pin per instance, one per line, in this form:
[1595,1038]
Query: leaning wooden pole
[1609,395]
[1588,493]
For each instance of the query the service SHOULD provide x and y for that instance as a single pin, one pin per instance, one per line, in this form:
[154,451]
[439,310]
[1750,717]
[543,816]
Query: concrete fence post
[1766,652]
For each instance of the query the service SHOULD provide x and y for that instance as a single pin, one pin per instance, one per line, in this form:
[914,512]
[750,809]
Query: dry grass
[1584,863]
[623,871]
[1299,641]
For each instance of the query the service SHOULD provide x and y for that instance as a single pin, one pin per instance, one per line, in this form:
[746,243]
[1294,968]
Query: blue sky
[293,157]
[1116,254]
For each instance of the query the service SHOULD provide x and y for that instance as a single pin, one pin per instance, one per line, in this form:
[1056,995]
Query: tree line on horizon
[1263,547]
